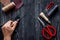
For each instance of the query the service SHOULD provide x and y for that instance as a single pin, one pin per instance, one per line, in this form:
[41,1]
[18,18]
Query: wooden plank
[29,28]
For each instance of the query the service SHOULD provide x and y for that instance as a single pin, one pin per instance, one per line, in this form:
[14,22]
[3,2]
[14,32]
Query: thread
[8,7]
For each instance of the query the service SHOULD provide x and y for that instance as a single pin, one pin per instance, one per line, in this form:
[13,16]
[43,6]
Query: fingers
[10,25]
[14,24]
[7,24]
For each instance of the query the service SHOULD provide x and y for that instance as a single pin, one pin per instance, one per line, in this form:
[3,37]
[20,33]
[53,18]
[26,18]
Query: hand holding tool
[48,31]
[17,18]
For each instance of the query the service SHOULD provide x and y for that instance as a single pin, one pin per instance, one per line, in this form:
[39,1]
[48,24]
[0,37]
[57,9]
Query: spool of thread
[8,7]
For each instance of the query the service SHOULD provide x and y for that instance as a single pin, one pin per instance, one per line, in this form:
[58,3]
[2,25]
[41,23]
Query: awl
[42,14]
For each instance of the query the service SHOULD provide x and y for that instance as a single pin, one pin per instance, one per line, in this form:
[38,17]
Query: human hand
[8,28]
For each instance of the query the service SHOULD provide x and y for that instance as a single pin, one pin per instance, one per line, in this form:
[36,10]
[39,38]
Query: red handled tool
[46,10]
[48,31]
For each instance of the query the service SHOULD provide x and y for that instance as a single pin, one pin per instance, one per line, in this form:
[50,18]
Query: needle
[41,21]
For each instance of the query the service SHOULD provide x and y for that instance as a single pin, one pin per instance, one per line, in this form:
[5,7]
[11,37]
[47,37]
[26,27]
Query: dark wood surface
[29,28]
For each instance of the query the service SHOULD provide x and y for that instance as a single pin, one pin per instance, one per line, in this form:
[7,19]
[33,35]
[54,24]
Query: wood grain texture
[29,28]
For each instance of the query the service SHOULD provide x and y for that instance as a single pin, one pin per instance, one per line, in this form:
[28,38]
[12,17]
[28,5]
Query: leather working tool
[48,31]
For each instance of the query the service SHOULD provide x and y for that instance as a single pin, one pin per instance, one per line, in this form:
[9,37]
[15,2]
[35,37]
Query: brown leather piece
[5,2]
[18,3]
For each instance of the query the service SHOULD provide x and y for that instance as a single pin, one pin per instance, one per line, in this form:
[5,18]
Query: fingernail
[17,20]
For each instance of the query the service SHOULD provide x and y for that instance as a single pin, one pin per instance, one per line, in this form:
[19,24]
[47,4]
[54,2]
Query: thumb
[14,24]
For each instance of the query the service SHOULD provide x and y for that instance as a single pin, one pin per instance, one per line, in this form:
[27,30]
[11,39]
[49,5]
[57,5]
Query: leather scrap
[18,4]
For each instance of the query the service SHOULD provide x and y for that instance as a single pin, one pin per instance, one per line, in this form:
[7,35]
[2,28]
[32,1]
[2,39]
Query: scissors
[48,31]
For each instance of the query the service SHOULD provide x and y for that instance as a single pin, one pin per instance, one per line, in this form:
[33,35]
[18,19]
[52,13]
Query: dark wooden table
[29,28]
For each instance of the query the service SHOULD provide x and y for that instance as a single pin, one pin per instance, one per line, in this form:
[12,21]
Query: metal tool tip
[17,20]
[49,22]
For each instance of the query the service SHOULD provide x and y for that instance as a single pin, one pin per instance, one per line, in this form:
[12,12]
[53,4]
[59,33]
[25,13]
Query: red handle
[50,5]
[48,30]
